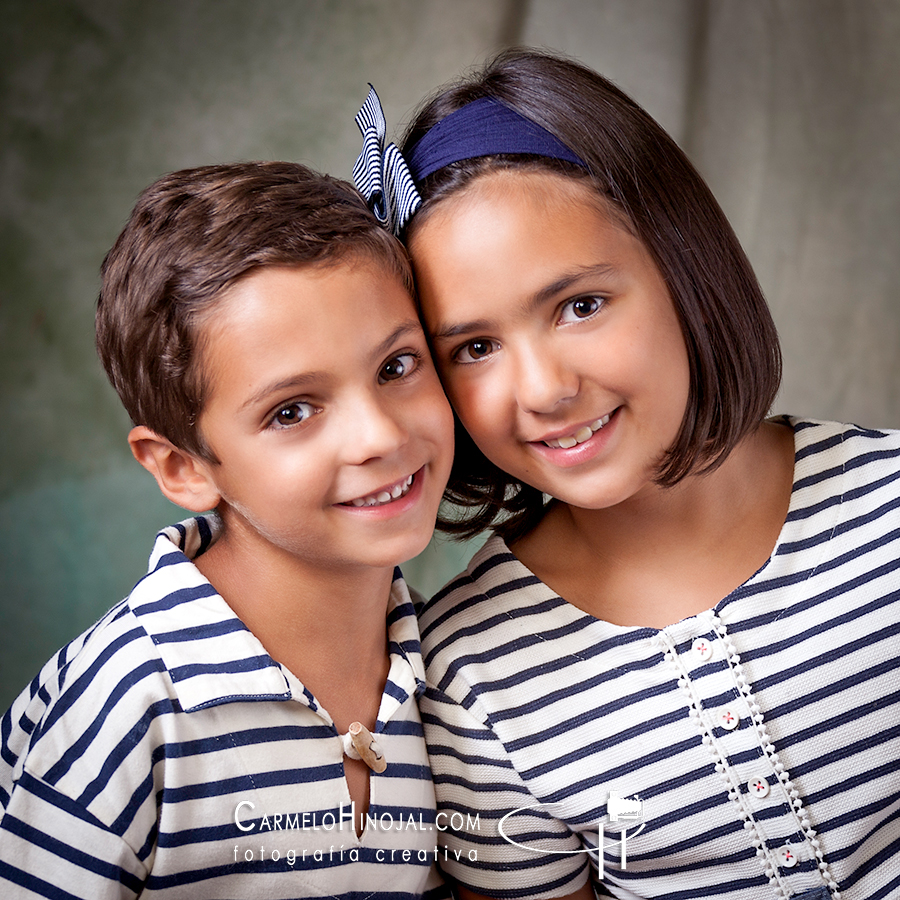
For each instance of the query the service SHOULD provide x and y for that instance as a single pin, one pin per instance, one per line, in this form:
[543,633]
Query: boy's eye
[293,414]
[580,308]
[398,367]
[475,350]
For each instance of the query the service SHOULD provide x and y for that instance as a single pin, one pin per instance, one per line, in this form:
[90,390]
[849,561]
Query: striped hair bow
[380,173]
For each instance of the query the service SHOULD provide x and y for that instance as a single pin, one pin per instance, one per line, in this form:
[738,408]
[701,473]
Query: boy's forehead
[317,320]
[313,285]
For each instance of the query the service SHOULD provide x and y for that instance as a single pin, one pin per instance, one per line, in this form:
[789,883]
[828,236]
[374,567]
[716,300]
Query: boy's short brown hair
[192,234]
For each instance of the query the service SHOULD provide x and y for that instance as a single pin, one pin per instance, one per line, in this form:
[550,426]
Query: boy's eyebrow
[306,378]
[540,297]
[295,381]
[404,328]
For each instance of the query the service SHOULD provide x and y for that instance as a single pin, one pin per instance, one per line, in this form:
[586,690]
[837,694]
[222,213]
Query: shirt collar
[210,654]
[406,676]
[213,658]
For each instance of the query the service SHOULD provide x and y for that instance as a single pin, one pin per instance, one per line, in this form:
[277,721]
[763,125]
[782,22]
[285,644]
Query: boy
[245,723]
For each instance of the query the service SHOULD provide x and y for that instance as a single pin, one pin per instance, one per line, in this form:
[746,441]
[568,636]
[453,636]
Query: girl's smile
[572,449]
[584,433]
[555,335]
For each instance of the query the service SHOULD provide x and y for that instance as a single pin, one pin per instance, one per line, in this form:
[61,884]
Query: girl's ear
[183,478]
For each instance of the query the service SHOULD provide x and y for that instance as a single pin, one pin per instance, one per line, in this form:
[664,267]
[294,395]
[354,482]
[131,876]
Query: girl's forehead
[510,202]
[534,183]
[530,191]
[519,242]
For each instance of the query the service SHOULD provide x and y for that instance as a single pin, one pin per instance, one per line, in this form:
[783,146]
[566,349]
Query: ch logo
[622,813]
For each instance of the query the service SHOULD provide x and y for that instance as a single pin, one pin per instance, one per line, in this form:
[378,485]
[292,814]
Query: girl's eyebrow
[564,282]
[446,332]
[538,299]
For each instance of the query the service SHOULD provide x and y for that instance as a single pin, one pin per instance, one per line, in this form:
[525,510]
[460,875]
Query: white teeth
[398,490]
[580,436]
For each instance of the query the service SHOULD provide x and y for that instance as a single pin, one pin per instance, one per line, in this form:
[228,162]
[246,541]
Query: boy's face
[333,435]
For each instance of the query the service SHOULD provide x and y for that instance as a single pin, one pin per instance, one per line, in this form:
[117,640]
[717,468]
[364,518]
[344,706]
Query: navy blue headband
[483,127]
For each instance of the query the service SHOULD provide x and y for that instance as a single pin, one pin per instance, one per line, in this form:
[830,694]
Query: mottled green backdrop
[791,107]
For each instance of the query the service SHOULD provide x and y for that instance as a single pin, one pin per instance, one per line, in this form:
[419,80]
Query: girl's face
[555,335]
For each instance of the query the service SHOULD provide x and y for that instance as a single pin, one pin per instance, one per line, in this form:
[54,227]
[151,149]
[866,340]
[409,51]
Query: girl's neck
[670,552]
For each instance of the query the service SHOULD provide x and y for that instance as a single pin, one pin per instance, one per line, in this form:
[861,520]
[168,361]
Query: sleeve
[51,847]
[494,836]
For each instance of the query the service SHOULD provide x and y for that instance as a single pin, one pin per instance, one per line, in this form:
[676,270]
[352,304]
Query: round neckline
[786,535]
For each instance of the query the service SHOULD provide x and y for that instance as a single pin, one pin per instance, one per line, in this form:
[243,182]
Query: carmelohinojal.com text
[343,821]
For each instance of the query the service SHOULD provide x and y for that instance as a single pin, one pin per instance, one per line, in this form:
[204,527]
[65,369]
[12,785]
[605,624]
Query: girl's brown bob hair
[732,344]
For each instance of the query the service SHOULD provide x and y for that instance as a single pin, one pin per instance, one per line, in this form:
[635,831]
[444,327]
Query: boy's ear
[183,478]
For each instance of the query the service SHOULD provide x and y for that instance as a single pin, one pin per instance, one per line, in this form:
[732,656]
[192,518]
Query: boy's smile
[332,434]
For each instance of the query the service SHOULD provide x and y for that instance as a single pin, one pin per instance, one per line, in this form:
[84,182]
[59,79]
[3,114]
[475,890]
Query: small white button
[758,787]
[728,720]
[786,857]
[703,648]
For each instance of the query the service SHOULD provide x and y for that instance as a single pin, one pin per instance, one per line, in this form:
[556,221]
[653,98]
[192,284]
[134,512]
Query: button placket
[734,729]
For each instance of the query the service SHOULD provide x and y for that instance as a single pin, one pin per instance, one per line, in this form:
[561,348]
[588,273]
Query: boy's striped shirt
[762,737]
[164,753]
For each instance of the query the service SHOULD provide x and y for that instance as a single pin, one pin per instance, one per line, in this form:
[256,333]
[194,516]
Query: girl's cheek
[464,402]
[460,400]
[481,412]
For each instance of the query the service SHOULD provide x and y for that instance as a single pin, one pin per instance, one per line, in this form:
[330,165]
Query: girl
[685,622]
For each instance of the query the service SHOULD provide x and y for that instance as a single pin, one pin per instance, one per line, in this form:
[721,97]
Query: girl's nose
[543,380]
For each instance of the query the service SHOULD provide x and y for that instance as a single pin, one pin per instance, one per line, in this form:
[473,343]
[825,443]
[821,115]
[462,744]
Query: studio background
[789,108]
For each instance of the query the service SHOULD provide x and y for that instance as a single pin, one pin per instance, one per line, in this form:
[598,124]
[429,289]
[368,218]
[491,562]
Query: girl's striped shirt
[751,752]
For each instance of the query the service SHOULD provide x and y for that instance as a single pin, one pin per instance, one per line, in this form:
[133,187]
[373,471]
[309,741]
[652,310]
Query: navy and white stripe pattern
[163,753]
[380,173]
[761,736]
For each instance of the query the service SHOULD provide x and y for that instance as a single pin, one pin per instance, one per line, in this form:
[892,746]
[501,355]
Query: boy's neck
[327,626]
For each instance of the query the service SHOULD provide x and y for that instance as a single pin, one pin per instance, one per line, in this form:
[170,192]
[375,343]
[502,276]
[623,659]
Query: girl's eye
[293,414]
[398,367]
[475,350]
[580,308]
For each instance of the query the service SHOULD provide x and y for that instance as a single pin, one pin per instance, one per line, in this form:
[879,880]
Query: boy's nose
[373,431]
